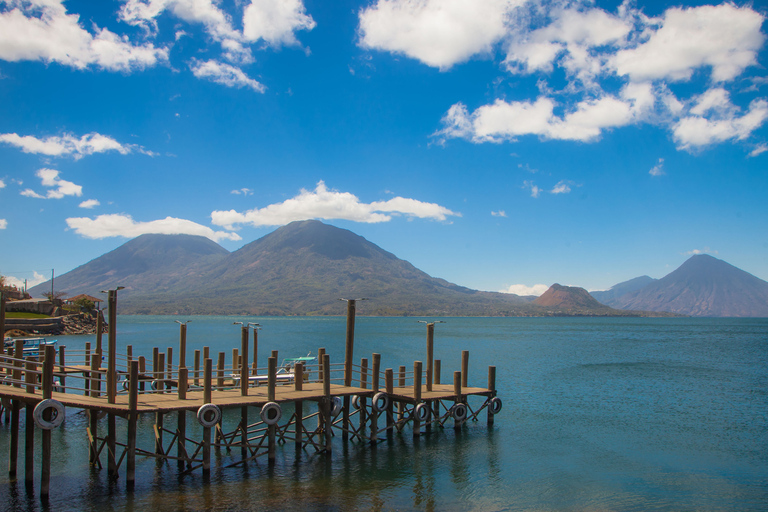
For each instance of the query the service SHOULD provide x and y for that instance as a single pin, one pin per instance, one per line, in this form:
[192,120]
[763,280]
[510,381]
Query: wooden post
[207,377]
[320,359]
[220,370]
[417,368]
[99,330]
[492,389]
[437,371]
[430,354]
[464,368]
[401,383]
[298,405]
[181,451]
[93,414]
[15,411]
[133,415]
[271,383]
[375,387]
[389,379]
[364,385]
[197,367]
[45,455]
[159,417]
[436,403]
[2,315]
[235,358]
[327,399]
[244,369]
[457,392]
[255,349]
[142,370]
[87,363]
[29,440]
[169,372]
[182,345]
[348,356]
[62,364]
[112,349]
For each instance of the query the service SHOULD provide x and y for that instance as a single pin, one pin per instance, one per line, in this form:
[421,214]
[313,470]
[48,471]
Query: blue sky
[498,144]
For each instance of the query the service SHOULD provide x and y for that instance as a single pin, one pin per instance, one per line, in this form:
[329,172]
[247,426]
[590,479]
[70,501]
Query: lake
[616,414]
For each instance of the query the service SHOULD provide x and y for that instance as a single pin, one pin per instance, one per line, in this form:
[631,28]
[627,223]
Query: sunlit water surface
[599,414]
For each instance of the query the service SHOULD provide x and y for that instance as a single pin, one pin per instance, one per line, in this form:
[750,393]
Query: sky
[502,145]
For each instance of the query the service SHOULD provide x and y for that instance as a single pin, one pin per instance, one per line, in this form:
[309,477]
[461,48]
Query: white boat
[32,346]
[285,373]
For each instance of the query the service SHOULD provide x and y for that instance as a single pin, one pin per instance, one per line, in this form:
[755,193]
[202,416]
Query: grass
[24,315]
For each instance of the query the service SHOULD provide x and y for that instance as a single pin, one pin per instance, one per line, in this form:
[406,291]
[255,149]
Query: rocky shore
[80,323]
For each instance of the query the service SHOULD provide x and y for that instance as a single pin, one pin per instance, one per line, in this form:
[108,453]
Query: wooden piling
[417,368]
[271,383]
[62,364]
[430,354]
[492,388]
[327,399]
[464,368]
[133,415]
[349,349]
[255,349]
[401,383]
[29,427]
[389,380]
[364,385]
[207,378]
[45,456]
[197,367]
[181,451]
[375,388]
[15,411]
[93,414]
[298,405]
[182,344]
[220,370]
[457,391]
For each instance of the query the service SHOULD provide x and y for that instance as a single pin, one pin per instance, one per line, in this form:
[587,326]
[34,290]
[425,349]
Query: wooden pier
[360,402]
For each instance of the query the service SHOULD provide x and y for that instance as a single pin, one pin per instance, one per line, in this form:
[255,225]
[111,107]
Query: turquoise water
[599,414]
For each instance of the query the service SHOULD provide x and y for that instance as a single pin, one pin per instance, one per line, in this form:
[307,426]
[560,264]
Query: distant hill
[147,263]
[571,300]
[608,297]
[702,286]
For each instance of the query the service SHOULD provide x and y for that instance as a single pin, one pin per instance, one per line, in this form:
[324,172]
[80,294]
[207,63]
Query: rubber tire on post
[422,412]
[384,398]
[495,405]
[58,414]
[459,412]
[154,384]
[271,413]
[356,401]
[337,406]
[126,385]
[204,410]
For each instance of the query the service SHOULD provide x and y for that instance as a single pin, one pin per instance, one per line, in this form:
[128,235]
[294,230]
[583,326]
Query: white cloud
[217,23]
[562,187]
[59,188]
[42,30]
[323,203]
[439,33]
[68,144]
[521,289]
[89,203]
[759,150]
[275,21]
[721,124]
[19,283]
[503,120]
[225,74]
[724,37]
[3,224]
[572,37]
[500,213]
[2,184]
[535,190]
[243,191]
[706,250]
[658,169]
[105,226]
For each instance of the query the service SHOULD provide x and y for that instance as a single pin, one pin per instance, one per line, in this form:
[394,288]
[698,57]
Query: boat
[32,346]
[285,373]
